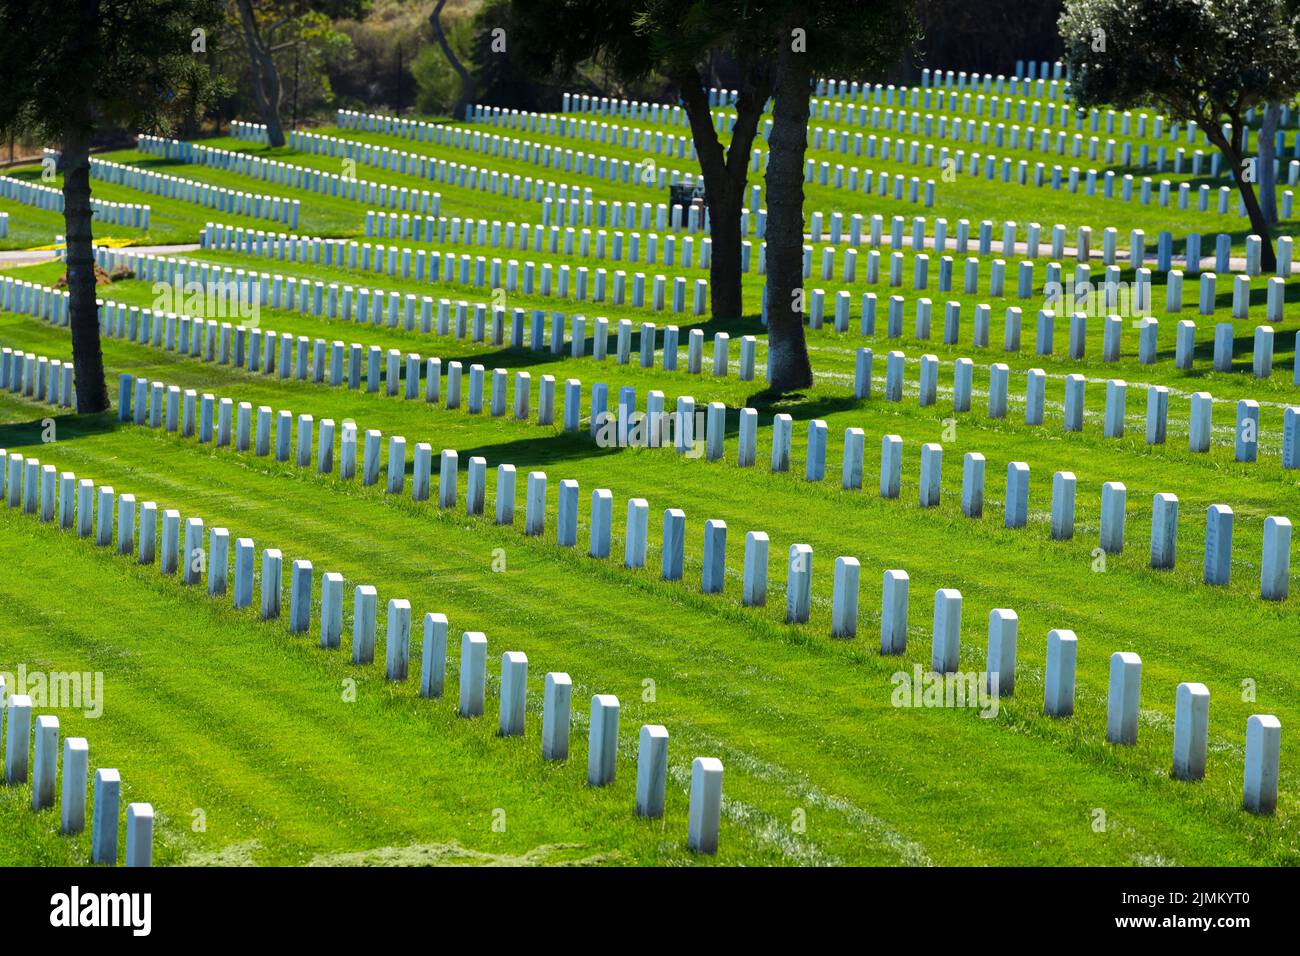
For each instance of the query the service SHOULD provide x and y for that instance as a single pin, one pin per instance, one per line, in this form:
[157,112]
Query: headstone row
[945,648]
[1002,240]
[659,293]
[180,550]
[1275,563]
[608,134]
[607,168]
[954,93]
[1074,324]
[1246,431]
[291,175]
[1041,170]
[402,198]
[51,199]
[561,205]
[397,309]
[927,117]
[220,198]
[484,178]
[249,132]
[567,240]
[38,377]
[38,756]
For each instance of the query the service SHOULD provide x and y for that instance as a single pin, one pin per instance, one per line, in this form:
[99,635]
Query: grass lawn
[256,746]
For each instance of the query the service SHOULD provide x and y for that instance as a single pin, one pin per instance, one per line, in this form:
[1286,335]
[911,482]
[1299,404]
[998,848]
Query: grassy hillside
[257,746]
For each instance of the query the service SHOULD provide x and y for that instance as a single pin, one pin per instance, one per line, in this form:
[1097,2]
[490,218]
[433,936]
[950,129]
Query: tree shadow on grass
[551,449]
[522,356]
[67,425]
[797,405]
[537,452]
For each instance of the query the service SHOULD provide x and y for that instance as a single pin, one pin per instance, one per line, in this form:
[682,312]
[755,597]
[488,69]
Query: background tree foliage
[296,37]
[1207,61]
[636,41]
[985,36]
[98,65]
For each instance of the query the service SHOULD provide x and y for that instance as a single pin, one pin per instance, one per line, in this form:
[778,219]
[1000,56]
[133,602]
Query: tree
[772,42]
[466,78]
[270,26]
[199,88]
[437,87]
[500,78]
[476,47]
[373,61]
[1202,61]
[1267,159]
[1268,126]
[844,40]
[683,36]
[265,75]
[789,367]
[985,36]
[92,66]
[637,39]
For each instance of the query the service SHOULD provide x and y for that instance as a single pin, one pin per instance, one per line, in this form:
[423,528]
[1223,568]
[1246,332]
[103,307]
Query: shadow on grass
[67,425]
[551,449]
[522,356]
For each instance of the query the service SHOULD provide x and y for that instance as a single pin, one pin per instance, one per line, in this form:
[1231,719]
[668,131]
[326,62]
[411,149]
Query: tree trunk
[466,78]
[1258,224]
[787,349]
[727,300]
[725,175]
[87,357]
[265,75]
[1267,158]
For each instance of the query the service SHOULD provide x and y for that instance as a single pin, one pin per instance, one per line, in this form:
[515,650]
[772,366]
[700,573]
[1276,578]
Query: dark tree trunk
[788,351]
[466,78]
[265,75]
[87,357]
[725,176]
[726,298]
[1258,224]
[1267,157]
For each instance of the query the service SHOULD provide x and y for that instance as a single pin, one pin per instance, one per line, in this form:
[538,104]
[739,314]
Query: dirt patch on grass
[453,854]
